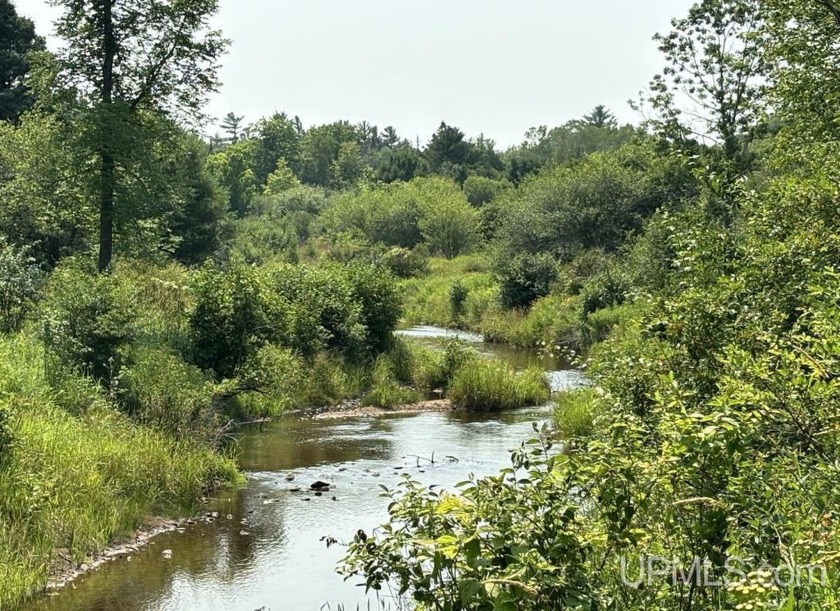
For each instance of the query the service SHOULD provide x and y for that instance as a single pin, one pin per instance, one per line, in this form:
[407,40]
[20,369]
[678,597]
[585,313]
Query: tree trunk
[107,168]
[106,209]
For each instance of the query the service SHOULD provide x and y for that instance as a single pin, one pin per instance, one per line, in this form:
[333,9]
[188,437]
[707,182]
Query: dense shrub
[405,263]
[506,542]
[375,291]
[231,317]
[259,241]
[270,382]
[481,190]
[350,309]
[458,295]
[430,210]
[525,278]
[595,203]
[604,290]
[85,324]
[158,389]
[20,279]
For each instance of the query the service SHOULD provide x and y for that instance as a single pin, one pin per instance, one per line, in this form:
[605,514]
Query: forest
[164,280]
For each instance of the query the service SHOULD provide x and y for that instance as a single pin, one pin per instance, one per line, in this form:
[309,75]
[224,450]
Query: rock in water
[167,553]
[319,485]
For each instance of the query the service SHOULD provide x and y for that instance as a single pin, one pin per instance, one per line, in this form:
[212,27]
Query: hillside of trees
[158,285]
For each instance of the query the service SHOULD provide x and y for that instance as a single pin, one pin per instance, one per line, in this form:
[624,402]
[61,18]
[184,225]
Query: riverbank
[564,321]
[65,570]
[70,484]
[354,410]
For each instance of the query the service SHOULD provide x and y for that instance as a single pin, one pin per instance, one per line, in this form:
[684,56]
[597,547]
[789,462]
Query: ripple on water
[266,548]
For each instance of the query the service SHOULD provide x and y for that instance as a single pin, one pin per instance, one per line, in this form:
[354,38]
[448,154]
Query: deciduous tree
[129,57]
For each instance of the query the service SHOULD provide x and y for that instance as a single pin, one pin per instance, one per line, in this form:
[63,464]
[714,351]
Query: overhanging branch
[833,8]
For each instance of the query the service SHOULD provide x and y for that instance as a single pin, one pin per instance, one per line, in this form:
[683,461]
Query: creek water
[266,551]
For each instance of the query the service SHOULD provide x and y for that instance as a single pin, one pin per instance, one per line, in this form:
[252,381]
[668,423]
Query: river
[266,549]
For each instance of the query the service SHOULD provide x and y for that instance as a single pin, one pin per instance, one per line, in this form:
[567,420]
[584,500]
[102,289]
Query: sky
[492,67]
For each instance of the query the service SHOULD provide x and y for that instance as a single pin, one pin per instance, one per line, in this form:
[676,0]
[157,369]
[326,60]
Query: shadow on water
[265,548]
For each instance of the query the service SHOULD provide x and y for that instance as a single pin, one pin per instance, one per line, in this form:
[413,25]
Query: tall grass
[575,413]
[557,320]
[385,389]
[78,481]
[492,385]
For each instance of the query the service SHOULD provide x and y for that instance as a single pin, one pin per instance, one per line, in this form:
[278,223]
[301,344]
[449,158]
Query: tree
[348,168]
[17,38]
[805,89]
[232,168]
[403,162]
[130,57]
[320,148]
[232,126]
[200,223]
[714,61]
[600,117]
[448,147]
[390,137]
[282,179]
[277,138]
[45,202]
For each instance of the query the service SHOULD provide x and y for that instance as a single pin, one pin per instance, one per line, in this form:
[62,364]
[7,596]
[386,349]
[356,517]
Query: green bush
[507,542]
[85,324]
[604,290]
[405,263]
[489,385]
[380,302]
[270,382]
[158,389]
[20,280]
[231,318]
[525,278]
[431,210]
[481,190]
[458,295]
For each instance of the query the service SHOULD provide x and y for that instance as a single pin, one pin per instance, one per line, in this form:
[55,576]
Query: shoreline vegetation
[157,286]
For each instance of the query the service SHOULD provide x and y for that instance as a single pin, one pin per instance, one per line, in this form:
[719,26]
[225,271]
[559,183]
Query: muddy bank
[65,570]
[350,410]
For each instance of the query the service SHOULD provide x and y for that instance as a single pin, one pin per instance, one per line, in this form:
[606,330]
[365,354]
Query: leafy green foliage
[17,39]
[525,279]
[158,389]
[84,322]
[349,309]
[429,210]
[506,542]
[20,280]
[594,204]
[490,385]
[481,190]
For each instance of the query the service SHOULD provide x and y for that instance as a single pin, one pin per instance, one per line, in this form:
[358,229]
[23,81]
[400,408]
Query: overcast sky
[495,67]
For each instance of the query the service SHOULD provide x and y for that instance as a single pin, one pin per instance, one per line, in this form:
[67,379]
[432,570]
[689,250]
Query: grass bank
[464,293]
[75,482]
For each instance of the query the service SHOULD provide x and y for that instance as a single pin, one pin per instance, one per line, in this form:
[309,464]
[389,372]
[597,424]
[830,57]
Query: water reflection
[265,548]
